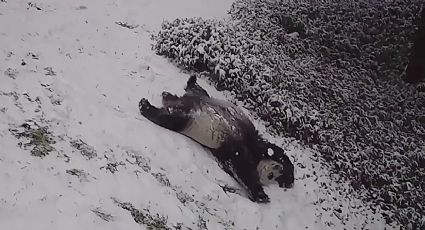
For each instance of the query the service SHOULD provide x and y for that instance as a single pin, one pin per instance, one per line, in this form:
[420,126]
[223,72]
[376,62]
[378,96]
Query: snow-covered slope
[72,73]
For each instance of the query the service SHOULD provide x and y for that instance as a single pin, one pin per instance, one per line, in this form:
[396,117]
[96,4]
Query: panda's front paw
[144,105]
[260,197]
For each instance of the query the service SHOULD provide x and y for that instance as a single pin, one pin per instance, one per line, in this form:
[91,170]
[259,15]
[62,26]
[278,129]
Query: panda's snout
[270,176]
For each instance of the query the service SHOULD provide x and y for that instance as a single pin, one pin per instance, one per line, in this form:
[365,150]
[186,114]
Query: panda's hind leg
[161,116]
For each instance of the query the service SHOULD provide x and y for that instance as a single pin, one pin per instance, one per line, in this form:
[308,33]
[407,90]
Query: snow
[71,67]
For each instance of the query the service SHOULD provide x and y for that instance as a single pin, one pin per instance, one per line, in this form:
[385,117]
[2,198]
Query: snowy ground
[79,68]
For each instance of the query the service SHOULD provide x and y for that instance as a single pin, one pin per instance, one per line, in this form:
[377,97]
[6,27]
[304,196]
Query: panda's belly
[211,126]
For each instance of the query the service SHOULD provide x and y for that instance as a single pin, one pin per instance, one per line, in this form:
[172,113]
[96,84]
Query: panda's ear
[191,82]
[193,89]
[262,143]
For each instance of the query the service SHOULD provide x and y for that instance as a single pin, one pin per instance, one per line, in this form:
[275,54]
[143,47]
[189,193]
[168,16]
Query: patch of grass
[202,224]
[33,5]
[152,222]
[184,197]
[86,150]
[12,73]
[162,179]
[40,139]
[139,160]
[81,174]
[104,216]
[112,166]
[127,25]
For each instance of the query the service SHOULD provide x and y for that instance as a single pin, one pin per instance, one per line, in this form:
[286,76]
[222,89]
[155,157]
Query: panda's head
[276,167]
[271,172]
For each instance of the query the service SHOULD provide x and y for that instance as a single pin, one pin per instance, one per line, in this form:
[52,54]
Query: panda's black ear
[193,89]
[191,82]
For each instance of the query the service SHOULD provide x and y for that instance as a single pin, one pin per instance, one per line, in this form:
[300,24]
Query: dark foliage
[327,73]
[415,71]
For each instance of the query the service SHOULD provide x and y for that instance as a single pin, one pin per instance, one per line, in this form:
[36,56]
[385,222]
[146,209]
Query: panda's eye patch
[276,167]
[270,176]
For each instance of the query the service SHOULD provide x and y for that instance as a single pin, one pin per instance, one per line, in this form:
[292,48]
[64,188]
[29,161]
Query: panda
[232,138]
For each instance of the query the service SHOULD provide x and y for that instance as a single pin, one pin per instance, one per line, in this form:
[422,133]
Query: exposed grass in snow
[86,150]
[39,138]
[144,217]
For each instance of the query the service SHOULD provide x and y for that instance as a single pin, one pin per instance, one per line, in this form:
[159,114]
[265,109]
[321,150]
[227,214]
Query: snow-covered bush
[326,73]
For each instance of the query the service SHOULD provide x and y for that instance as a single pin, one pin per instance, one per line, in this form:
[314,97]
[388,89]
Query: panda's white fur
[213,122]
[268,171]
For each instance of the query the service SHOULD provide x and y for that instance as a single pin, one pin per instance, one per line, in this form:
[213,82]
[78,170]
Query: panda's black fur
[228,133]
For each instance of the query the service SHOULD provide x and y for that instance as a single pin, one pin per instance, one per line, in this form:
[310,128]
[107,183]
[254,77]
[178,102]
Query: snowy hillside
[76,154]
